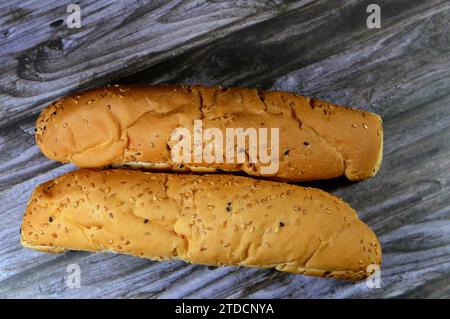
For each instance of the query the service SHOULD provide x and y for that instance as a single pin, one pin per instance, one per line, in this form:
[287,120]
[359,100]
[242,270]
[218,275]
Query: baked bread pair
[213,219]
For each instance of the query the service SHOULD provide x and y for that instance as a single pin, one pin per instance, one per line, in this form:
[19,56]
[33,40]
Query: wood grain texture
[318,48]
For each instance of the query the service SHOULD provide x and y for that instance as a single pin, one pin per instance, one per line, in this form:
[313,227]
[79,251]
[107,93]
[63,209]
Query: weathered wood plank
[318,48]
[41,63]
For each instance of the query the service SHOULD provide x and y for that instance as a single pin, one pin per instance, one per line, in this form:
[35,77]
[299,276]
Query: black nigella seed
[281,224]
[50,219]
[145,221]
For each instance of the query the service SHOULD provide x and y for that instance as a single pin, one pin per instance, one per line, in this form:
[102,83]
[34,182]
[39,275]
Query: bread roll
[131,126]
[212,219]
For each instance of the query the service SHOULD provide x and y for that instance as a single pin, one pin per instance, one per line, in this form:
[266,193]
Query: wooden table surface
[322,49]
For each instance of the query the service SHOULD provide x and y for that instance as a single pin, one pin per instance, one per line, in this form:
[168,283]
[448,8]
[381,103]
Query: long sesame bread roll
[131,126]
[211,219]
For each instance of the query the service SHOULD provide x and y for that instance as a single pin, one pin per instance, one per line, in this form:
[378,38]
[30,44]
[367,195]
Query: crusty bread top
[210,219]
[133,124]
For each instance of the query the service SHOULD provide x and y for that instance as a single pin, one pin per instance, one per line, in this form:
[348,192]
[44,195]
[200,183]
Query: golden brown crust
[210,219]
[122,124]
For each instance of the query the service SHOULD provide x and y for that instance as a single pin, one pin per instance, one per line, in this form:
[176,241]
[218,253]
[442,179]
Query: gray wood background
[317,48]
